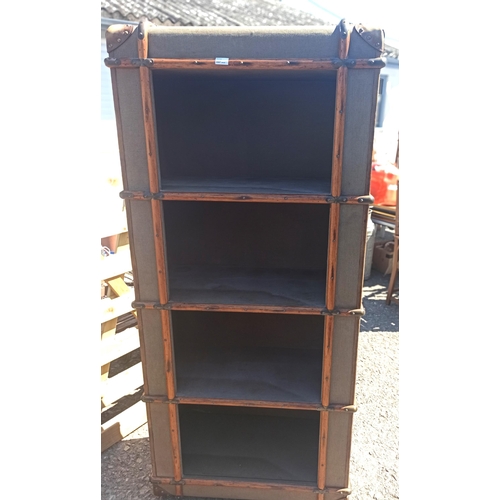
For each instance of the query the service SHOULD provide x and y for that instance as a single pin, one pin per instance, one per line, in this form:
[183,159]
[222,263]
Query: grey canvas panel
[161,444]
[244,42]
[234,493]
[361,103]
[140,223]
[343,374]
[338,444]
[351,254]
[153,349]
[127,94]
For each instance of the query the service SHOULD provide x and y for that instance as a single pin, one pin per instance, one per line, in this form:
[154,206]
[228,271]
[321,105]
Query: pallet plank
[122,384]
[119,345]
[122,425]
[112,308]
[116,264]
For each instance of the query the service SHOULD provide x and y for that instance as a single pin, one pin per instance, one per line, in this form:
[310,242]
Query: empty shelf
[252,443]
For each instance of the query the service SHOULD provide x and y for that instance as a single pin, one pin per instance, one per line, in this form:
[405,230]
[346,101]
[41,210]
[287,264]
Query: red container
[384,183]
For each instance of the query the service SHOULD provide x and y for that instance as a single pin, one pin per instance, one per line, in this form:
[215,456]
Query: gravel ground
[125,467]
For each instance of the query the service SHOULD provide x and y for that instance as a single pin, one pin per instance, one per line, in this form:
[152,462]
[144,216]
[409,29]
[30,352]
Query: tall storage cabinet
[246,159]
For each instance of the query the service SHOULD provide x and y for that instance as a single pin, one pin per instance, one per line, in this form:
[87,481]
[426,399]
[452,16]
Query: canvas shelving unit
[246,166]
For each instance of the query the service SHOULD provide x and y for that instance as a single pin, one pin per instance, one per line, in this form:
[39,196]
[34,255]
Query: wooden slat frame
[333,231]
[160,251]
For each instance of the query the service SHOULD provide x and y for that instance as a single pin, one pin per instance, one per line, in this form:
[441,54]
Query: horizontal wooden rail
[250,403]
[366,199]
[247,64]
[261,485]
[183,306]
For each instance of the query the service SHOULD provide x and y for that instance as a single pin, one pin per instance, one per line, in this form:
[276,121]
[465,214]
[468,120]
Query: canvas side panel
[343,374]
[338,449]
[152,340]
[361,103]
[160,442]
[140,223]
[351,255]
[130,124]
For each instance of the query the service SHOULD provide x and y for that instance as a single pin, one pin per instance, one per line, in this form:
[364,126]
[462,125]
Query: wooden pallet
[116,304]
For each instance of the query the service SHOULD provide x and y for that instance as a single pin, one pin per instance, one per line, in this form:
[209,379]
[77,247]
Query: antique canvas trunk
[246,167]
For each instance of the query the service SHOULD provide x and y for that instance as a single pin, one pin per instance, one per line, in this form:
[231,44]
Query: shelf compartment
[244,356]
[249,443]
[246,253]
[268,131]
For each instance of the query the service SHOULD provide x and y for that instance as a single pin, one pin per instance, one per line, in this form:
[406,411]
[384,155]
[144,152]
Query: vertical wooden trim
[175,436]
[333,230]
[323,442]
[156,206]
[168,350]
[157,216]
[331,277]
[337,158]
[327,361]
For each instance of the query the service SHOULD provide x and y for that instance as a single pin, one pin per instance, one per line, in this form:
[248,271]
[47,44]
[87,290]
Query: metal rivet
[119,40]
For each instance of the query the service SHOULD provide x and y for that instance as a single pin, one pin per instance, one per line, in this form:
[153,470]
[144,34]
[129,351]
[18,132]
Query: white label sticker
[222,60]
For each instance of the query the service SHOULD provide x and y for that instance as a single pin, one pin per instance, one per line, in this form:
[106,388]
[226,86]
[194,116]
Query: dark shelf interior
[243,127]
[247,253]
[249,443]
[245,356]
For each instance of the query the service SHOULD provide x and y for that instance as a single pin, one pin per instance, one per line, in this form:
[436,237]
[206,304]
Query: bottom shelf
[249,443]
